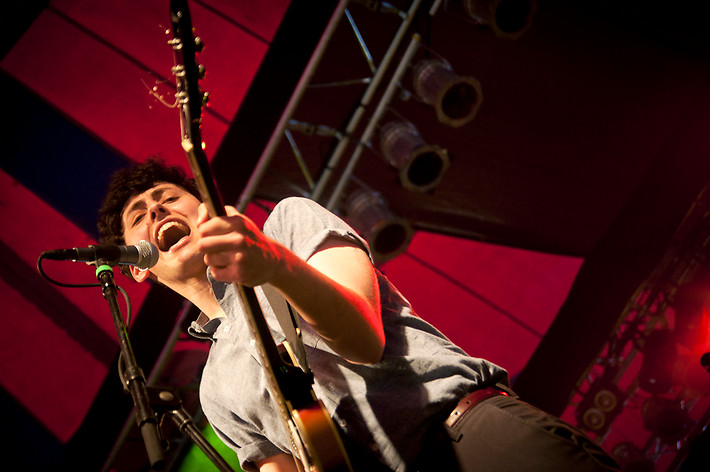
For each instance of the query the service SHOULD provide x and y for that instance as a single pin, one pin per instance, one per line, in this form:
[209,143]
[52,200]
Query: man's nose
[157,212]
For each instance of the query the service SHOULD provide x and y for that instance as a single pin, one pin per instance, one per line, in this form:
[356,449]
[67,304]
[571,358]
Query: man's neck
[199,292]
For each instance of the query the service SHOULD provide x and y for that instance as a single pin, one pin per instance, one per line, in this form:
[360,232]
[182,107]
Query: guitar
[315,442]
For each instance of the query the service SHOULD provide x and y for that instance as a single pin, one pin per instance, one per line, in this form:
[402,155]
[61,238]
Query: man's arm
[277,463]
[335,291]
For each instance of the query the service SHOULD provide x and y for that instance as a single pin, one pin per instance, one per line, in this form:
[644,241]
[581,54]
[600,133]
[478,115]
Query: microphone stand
[133,375]
[166,401]
[147,399]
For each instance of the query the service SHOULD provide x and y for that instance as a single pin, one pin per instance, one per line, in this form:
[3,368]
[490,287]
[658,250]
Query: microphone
[143,255]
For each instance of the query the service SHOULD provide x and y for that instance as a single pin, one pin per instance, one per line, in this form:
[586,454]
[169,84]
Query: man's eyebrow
[157,193]
[140,204]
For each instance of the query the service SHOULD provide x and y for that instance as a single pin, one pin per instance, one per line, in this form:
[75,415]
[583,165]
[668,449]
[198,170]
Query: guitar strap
[288,320]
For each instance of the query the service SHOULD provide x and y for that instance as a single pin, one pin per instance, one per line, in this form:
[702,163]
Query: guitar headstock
[191,99]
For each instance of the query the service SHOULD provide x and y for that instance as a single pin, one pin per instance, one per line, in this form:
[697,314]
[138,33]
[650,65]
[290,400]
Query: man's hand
[235,249]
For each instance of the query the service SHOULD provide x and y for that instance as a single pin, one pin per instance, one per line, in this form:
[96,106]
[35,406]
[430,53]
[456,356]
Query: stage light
[421,166]
[630,458]
[594,419]
[691,318]
[606,400]
[386,234]
[691,306]
[600,406]
[456,99]
[668,419]
[508,19]
[658,363]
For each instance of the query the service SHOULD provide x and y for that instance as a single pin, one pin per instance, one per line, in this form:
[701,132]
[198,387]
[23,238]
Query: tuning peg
[199,45]
[205,98]
[201,71]
[178,70]
[175,43]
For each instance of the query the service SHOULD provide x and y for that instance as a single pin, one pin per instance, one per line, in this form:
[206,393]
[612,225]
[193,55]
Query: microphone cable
[126,298]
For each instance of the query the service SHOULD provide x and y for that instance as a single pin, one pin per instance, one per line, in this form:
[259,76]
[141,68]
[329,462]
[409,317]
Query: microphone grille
[148,255]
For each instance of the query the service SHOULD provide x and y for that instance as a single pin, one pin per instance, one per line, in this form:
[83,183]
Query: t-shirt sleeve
[236,420]
[259,448]
[302,225]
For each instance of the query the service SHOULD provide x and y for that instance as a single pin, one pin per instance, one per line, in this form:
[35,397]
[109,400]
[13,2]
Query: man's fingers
[231,211]
[220,260]
[222,225]
[202,214]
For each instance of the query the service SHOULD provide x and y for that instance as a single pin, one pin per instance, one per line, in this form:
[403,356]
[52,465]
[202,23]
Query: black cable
[61,284]
[91,285]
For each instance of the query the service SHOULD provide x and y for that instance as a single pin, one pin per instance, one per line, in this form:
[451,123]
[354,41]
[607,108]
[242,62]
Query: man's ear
[139,275]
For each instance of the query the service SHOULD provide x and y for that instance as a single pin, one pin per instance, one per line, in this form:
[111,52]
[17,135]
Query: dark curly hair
[131,181]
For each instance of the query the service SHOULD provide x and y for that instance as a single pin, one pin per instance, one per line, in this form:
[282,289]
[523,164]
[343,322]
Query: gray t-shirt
[385,408]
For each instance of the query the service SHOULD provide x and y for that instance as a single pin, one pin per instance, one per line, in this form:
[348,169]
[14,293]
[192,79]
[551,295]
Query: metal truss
[613,383]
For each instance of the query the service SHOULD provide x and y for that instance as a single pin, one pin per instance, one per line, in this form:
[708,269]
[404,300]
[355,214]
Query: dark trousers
[502,434]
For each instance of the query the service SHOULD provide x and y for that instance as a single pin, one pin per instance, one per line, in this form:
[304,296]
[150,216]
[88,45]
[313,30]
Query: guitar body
[315,441]
[320,438]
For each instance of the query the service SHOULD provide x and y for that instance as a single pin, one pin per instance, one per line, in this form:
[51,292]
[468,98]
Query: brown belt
[471,400]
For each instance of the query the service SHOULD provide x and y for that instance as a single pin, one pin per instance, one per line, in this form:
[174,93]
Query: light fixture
[508,19]
[600,406]
[606,400]
[421,166]
[660,353]
[456,99]
[386,234]
[666,418]
[594,419]
[630,457]
[691,305]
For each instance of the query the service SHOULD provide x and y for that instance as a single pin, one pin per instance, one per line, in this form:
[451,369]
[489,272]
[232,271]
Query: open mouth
[170,233]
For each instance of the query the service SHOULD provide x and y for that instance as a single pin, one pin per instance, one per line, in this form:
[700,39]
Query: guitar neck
[291,380]
[202,174]
[314,444]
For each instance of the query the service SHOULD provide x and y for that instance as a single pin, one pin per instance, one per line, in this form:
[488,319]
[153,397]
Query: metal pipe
[379,111]
[364,102]
[267,155]
[299,159]
[361,41]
